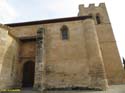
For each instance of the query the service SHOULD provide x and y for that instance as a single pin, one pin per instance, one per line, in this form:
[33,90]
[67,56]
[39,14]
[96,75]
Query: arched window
[98,20]
[64,32]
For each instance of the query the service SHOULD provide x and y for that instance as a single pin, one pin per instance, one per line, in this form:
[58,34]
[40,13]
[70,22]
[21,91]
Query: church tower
[111,58]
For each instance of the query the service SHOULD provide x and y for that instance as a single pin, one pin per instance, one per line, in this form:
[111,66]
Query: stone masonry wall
[95,60]
[8,59]
[76,62]
[87,59]
[109,50]
[65,62]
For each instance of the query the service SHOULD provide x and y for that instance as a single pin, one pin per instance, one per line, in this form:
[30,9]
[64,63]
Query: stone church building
[74,52]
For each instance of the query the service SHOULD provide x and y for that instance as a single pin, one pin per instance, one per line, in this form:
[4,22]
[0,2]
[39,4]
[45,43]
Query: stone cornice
[5,26]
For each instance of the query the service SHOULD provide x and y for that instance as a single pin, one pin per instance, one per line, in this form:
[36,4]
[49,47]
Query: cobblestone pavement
[111,89]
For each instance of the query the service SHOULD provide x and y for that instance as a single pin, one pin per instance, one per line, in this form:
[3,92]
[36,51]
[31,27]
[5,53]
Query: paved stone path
[112,89]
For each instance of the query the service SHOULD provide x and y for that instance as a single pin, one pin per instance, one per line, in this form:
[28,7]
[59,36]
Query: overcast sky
[12,11]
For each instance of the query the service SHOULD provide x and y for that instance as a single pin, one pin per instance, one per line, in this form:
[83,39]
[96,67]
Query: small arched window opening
[98,20]
[64,32]
[123,62]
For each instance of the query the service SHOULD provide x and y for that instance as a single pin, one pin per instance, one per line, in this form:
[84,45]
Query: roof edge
[48,21]
[4,26]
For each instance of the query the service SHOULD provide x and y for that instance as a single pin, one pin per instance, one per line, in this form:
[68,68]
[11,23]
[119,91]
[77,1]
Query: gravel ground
[111,89]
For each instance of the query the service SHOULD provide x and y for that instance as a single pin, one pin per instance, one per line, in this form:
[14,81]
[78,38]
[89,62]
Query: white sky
[27,10]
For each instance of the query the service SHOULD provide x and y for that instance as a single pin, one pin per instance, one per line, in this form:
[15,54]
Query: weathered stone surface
[88,58]
[112,63]
[39,57]
[8,59]
[96,66]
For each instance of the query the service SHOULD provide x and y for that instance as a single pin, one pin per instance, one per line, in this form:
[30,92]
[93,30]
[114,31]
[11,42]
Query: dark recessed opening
[28,74]
[98,19]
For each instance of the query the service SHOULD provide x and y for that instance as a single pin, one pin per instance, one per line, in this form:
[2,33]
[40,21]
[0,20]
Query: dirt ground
[111,89]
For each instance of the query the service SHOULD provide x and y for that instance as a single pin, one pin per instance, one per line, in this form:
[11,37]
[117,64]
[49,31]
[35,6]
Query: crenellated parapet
[99,11]
[92,5]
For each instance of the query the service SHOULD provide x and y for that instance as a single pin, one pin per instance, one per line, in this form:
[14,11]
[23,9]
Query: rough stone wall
[86,59]
[66,62]
[8,59]
[111,58]
[112,62]
[27,49]
[95,60]
[25,31]
[27,52]
[76,62]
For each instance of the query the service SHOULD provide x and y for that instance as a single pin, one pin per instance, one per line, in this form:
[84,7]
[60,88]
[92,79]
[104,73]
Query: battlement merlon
[102,5]
[91,5]
[81,6]
[95,10]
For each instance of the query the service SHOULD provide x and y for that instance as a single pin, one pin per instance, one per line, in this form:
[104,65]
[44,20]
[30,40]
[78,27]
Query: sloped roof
[49,21]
